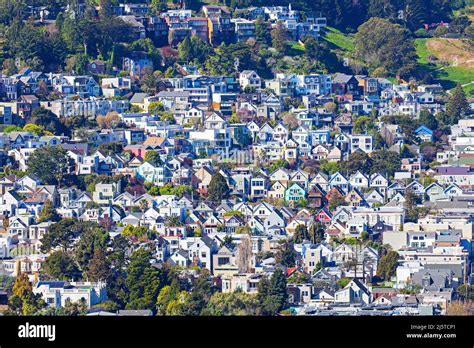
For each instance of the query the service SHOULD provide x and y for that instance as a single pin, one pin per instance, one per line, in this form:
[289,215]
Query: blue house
[424,133]
[295,193]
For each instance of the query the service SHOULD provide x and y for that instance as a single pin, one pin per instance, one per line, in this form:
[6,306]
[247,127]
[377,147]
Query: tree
[234,303]
[280,38]
[143,281]
[358,161]
[22,300]
[382,44]
[35,129]
[61,266]
[228,242]
[50,164]
[218,188]
[286,254]
[459,308]
[316,232]
[110,148]
[329,167]
[60,234]
[272,293]
[110,120]
[48,213]
[91,239]
[49,121]
[301,234]
[148,84]
[153,157]
[427,119]
[99,267]
[203,289]
[262,31]
[167,294]
[457,105]
[193,49]
[363,125]
[154,108]
[244,255]
[388,265]
[385,162]
[469,32]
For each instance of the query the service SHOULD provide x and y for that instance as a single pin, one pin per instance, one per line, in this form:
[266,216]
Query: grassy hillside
[450,60]
[338,40]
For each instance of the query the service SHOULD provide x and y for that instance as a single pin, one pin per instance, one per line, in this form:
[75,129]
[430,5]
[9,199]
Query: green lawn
[295,49]
[449,76]
[339,39]
[422,51]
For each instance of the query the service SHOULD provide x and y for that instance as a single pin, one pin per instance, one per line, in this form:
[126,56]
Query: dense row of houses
[238,127]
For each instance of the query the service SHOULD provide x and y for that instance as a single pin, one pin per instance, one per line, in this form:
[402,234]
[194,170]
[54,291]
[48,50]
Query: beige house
[277,190]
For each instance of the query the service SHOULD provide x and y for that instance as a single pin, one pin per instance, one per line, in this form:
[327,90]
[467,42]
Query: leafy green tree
[155,108]
[167,294]
[50,164]
[203,289]
[426,118]
[272,293]
[49,121]
[153,157]
[385,162]
[91,239]
[457,105]
[343,282]
[280,38]
[143,281]
[316,232]
[382,44]
[329,167]
[60,234]
[48,213]
[281,163]
[60,265]
[234,303]
[262,31]
[388,265]
[363,125]
[193,49]
[179,305]
[286,254]
[218,188]
[22,300]
[99,266]
[110,148]
[357,161]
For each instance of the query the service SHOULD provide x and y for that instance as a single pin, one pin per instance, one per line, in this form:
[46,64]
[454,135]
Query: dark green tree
[48,213]
[60,234]
[262,31]
[301,234]
[143,281]
[457,105]
[61,266]
[272,293]
[280,38]
[384,45]
[99,266]
[286,254]
[388,265]
[50,164]
[385,162]
[426,118]
[218,188]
